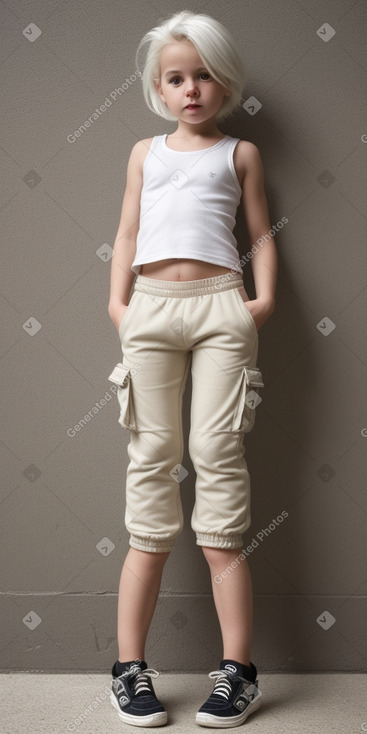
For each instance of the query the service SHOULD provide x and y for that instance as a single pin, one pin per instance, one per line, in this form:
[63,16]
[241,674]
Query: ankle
[121,667]
[247,671]
[131,656]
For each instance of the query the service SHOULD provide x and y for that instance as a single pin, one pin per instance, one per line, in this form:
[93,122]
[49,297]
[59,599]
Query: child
[188,309]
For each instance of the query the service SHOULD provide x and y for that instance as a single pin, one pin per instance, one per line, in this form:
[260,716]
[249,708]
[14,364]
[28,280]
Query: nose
[191,89]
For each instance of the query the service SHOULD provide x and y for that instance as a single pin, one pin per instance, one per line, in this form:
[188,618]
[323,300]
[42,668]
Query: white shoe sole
[158,719]
[220,722]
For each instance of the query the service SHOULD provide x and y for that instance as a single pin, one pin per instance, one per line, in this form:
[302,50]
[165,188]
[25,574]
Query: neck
[207,129]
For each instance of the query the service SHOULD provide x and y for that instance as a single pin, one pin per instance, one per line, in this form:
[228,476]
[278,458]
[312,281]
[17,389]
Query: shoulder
[142,145]
[247,160]
[139,151]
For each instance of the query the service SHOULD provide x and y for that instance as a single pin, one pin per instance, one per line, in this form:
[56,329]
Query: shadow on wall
[276,481]
[280,466]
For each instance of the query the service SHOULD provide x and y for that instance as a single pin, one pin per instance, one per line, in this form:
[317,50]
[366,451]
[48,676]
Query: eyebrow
[178,71]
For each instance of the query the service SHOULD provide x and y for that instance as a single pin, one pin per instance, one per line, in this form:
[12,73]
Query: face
[185,80]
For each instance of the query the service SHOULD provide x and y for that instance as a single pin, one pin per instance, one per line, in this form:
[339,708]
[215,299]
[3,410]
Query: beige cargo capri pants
[167,327]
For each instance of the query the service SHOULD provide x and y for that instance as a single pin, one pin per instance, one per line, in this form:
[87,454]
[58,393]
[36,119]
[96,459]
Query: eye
[174,79]
[205,73]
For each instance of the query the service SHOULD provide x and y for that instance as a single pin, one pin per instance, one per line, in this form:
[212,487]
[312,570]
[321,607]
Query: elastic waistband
[186,288]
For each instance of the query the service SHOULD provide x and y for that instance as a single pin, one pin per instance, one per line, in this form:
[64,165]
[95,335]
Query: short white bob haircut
[215,47]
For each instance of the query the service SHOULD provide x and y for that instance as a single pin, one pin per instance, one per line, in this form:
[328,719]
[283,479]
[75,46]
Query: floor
[325,703]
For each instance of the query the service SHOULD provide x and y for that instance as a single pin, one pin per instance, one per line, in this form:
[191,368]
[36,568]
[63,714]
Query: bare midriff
[182,269]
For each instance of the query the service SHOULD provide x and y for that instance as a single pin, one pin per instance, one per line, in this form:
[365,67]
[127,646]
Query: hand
[260,310]
[117,314]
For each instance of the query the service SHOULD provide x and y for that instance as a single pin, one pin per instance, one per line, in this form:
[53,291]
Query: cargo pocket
[121,376]
[249,398]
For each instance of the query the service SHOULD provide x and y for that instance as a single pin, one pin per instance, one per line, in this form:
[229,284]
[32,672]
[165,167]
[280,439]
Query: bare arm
[264,261]
[122,276]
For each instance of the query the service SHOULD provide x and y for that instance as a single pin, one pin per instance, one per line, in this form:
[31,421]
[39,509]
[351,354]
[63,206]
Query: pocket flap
[244,416]
[253,377]
[120,375]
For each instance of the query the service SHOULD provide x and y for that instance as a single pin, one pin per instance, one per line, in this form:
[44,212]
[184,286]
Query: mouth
[192,106]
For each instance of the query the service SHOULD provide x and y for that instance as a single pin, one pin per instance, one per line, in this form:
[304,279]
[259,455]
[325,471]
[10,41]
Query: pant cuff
[219,541]
[152,545]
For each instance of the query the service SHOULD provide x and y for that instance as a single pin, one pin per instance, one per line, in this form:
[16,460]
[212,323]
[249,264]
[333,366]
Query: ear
[158,87]
[227,92]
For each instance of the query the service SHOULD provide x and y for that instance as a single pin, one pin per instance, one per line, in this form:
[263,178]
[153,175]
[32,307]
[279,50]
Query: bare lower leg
[138,593]
[233,601]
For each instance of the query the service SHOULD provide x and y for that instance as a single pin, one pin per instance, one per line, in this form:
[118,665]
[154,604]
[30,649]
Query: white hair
[214,45]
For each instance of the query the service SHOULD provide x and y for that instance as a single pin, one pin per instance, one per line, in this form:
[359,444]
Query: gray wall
[62,495]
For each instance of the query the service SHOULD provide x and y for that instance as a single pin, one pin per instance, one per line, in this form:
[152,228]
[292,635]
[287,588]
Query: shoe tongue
[244,671]
[230,667]
[141,664]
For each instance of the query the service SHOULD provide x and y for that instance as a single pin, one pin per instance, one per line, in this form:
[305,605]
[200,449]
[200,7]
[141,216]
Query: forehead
[179,54]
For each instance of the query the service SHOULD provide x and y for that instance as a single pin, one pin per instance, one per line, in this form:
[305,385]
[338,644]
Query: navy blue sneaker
[232,700]
[134,698]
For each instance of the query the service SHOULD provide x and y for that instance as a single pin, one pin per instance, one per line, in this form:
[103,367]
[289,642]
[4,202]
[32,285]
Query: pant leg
[156,365]
[224,354]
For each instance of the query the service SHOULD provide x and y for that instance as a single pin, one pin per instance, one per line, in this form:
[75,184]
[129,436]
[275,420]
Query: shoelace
[140,681]
[223,686]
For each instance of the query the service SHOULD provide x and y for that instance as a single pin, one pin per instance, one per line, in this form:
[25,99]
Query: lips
[192,106]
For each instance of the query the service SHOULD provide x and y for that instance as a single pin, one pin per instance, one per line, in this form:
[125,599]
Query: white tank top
[188,205]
